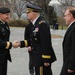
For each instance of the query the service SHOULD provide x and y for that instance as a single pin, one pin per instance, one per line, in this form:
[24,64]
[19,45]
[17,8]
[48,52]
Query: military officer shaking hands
[38,40]
[5,45]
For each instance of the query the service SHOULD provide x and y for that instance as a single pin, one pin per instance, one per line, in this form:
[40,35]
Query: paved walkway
[20,59]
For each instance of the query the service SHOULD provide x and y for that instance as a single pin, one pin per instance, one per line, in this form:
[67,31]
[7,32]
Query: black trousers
[31,68]
[43,70]
[3,68]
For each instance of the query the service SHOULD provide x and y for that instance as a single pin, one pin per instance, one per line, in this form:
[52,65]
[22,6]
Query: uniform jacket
[4,37]
[69,50]
[39,38]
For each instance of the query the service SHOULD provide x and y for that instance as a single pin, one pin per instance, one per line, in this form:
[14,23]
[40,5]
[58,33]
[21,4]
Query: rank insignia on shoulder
[41,22]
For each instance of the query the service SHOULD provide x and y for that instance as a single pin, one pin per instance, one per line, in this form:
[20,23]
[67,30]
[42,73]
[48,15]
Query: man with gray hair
[38,40]
[69,43]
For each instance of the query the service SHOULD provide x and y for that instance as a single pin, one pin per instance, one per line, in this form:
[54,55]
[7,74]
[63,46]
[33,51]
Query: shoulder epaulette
[41,22]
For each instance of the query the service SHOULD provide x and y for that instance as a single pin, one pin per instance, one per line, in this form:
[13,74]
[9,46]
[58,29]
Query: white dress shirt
[35,20]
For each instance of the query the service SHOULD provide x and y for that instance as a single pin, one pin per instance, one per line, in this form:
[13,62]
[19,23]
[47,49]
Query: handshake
[16,43]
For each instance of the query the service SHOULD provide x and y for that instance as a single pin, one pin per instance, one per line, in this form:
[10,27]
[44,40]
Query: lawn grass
[60,27]
[63,27]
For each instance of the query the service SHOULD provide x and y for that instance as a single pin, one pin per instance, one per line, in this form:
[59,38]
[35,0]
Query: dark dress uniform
[5,45]
[4,51]
[69,51]
[26,37]
[39,38]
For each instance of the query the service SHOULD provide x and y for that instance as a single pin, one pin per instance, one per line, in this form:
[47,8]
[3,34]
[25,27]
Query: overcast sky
[54,1]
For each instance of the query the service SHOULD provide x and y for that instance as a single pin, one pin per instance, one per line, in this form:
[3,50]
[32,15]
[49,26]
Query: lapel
[7,27]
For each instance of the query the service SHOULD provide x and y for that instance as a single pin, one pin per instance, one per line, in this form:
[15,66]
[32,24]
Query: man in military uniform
[38,40]
[5,45]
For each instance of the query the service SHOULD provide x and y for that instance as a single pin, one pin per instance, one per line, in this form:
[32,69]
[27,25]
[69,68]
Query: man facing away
[38,40]
[69,43]
[5,45]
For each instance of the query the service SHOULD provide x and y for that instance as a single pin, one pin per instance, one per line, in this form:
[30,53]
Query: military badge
[36,29]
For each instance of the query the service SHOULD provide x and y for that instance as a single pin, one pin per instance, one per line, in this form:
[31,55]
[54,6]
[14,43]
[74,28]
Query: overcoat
[4,37]
[69,51]
[39,38]
[5,45]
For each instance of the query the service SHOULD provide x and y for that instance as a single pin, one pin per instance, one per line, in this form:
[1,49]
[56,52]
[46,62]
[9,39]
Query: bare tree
[66,3]
[3,2]
[18,6]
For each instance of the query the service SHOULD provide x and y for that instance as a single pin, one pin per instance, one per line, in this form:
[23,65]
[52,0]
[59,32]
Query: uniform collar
[2,21]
